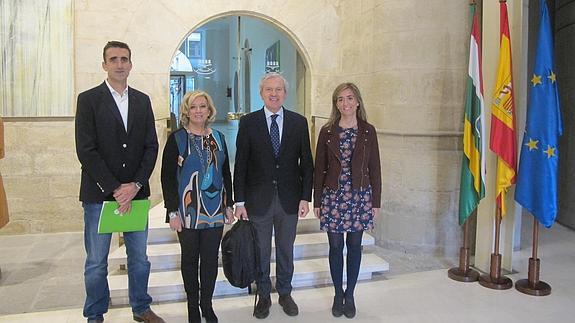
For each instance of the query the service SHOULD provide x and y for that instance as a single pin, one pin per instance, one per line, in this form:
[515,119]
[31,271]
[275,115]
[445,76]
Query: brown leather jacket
[365,166]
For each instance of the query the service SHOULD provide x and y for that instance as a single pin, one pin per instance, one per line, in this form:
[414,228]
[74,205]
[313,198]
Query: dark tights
[353,261]
[200,248]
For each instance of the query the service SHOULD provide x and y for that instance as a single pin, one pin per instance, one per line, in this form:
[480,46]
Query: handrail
[399,133]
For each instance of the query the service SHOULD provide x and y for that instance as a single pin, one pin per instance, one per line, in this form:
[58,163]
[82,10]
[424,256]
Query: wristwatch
[173,214]
[138,185]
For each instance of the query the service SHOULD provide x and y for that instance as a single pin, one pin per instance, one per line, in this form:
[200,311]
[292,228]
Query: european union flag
[537,179]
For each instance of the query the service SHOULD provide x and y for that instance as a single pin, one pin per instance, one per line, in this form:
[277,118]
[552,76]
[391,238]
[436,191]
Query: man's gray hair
[272,75]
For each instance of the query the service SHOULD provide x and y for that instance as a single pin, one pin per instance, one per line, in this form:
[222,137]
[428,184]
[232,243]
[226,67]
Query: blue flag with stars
[537,179]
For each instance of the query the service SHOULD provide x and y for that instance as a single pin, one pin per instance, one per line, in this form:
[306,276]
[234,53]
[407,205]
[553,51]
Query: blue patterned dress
[200,179]
[346,209]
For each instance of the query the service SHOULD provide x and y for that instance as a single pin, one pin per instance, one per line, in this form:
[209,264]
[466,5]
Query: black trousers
[200,247]
[283,226]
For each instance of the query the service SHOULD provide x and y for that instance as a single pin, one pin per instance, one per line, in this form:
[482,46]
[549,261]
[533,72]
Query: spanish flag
[503,139]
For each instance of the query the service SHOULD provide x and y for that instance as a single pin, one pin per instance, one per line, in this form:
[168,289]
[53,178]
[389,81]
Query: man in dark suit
[273,184]
[117,146]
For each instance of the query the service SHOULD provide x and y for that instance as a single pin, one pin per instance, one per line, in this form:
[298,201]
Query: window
[194,44]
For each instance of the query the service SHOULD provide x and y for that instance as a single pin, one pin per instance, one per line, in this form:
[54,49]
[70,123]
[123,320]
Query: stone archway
[226,56]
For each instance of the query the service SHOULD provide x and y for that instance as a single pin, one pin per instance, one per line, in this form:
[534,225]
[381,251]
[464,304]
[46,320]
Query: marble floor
[42,282]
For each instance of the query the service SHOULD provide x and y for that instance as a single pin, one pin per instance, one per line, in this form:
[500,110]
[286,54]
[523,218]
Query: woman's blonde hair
[335,114]
[187,102]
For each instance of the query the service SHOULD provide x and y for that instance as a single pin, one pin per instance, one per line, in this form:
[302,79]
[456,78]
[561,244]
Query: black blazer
[256,171]
[109,155]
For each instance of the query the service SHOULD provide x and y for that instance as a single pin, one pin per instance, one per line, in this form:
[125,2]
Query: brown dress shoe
[148,317]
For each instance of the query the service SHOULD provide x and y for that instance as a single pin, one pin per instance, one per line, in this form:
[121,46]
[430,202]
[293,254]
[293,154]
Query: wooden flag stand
[463,273]
[533,286]
[494,280]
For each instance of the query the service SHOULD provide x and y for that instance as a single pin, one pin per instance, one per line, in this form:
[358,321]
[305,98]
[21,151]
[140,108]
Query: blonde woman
[197,189]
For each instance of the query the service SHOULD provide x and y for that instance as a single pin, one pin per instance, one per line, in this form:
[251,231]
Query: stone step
[168,285]
[159,231]
[164,256]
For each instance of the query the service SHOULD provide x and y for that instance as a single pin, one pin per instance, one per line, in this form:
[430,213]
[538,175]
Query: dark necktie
[275,135]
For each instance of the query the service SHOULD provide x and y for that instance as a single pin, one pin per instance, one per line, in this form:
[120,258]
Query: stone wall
[410,64]
[564,53]
[409,61]
[42,177]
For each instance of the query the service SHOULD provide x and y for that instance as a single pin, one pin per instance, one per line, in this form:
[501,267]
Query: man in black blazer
[117,146]
[273,185]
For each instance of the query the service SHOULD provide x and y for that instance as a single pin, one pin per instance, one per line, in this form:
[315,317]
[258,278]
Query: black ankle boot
[209,314]
[337,307]
[349,307]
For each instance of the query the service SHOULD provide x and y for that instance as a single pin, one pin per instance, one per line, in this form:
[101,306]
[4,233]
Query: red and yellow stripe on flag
[503,140]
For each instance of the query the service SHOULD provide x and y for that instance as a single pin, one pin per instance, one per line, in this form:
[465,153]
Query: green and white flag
[472,188]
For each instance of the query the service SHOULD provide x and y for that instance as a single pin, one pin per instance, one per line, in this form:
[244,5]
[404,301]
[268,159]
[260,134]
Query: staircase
[311,266]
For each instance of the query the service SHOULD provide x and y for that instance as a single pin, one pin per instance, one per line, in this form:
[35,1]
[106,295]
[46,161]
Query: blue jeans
[96,267]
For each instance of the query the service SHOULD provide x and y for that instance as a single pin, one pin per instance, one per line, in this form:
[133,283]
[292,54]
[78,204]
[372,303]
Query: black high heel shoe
[209,315]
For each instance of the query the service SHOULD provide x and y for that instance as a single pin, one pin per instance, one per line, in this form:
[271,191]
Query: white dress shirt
[121,103]
[279,119]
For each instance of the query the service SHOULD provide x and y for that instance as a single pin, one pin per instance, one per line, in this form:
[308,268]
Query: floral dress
[346,209]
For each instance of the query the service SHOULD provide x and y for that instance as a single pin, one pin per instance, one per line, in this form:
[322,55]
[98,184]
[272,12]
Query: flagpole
[463,273]
[494,280]
[533,286]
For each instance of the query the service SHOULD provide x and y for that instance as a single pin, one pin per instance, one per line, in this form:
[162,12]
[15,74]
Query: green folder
[112,221]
